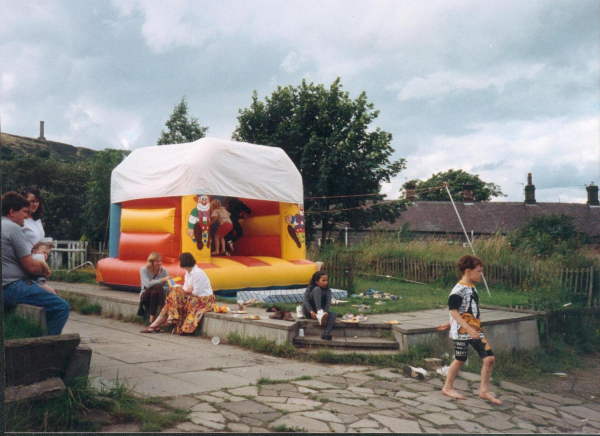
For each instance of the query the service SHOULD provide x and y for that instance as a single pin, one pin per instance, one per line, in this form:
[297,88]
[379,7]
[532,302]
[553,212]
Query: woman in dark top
[317,299]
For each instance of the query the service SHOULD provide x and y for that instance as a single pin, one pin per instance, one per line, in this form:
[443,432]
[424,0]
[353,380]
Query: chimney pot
[529,191]
[42,131]
[410,191]
[468,194]
[592,193]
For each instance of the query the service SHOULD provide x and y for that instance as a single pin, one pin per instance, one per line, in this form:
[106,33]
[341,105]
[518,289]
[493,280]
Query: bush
[548,235]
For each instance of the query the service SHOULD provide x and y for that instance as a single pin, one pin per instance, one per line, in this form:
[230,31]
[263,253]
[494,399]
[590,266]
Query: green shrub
[75,276]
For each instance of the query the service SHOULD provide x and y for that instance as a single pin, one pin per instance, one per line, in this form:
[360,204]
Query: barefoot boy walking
[465,329]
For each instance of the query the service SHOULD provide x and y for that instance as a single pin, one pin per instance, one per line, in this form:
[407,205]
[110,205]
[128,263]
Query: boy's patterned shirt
[465,299]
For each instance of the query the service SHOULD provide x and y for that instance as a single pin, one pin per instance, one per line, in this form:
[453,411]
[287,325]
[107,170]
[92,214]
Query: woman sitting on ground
[186,305]
[154,285]
[33,228]
[317,299]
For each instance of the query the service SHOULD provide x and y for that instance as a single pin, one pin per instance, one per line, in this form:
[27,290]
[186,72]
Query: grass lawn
[415,297]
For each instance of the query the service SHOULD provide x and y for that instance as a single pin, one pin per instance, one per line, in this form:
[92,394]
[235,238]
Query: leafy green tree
[330,139]
[548,235]
[62,185]
[97,206]
[181,128]
[456,179]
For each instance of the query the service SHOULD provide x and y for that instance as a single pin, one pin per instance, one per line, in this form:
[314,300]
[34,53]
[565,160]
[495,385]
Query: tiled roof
[487,218]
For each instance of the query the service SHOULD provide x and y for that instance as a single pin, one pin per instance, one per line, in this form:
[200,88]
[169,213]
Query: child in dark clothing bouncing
[317,299]
[465,329]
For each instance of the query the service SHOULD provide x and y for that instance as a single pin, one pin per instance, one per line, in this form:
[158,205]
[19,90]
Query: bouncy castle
[160,201]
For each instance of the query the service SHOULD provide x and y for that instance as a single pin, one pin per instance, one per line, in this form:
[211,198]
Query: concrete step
[363,329]
[347,343]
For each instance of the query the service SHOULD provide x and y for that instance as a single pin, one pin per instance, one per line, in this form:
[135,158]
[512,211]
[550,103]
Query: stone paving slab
[336,398]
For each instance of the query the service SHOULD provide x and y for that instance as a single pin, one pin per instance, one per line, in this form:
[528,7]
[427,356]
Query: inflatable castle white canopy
[212,166]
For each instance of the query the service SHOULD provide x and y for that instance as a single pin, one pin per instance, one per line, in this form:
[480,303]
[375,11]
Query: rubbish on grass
[362,308]
[372,293]
[216,340]
[443,371]
[568,304]
[379,303]
[411,371]
[560,374]
[336,302]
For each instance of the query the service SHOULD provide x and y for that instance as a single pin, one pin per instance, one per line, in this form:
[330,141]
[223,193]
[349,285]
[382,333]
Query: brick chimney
[468,194]
[410,191]
[42,131]
[592,192]
[529,191]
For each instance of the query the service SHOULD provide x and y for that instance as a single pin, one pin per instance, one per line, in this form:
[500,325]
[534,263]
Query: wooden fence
[577,281]
[97,251]
[68,254]
[340,272]
[570,323]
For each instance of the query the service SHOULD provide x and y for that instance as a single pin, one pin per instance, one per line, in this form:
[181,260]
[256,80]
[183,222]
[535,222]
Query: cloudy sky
[494,88]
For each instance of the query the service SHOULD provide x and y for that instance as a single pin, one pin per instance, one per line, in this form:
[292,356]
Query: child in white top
[40,252]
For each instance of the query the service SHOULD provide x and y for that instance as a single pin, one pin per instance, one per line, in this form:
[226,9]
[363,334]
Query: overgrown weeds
[269,381]
[86,407]
[262,345]
[82,305]
[16,327]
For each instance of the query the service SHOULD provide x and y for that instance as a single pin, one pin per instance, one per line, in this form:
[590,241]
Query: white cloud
[441,83]
[560,153]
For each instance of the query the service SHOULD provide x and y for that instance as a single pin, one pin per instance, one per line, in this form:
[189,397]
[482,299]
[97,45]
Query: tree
[329,138]
[62,185]
[548,235]
[97,206]
[456,179]
[181,128]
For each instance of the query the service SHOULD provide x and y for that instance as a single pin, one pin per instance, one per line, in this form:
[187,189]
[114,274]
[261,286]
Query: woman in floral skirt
[186,304]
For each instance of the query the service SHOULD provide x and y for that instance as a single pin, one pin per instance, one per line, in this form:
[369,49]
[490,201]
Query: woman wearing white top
[33,228]
[186,305]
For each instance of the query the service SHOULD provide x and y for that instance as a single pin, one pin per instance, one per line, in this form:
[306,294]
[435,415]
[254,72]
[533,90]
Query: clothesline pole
[466,235]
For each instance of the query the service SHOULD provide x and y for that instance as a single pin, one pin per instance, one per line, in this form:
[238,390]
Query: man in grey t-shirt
[18,264]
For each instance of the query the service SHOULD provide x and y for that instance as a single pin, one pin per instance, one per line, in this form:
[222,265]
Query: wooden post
[591,286]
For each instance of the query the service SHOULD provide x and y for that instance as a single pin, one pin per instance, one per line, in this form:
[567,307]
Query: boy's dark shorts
[479,345]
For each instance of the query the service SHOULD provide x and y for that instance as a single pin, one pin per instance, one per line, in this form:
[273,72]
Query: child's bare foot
[453,394]
[489,397]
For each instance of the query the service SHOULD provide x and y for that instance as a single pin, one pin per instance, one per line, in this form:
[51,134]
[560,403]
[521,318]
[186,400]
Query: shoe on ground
[411,371]
[326,337]
[322,317]
[277,315]
[287,316]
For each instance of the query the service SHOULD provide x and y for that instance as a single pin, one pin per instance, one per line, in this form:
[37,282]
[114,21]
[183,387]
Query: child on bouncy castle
[219,213]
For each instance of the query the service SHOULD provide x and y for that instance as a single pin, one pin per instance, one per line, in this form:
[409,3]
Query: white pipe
[466,235]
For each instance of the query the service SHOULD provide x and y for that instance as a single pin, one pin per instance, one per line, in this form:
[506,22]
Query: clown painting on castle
[199,221]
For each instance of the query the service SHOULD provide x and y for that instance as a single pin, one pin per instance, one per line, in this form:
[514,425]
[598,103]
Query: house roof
[487,218]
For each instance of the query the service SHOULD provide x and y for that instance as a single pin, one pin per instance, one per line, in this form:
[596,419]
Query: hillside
[14,146]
